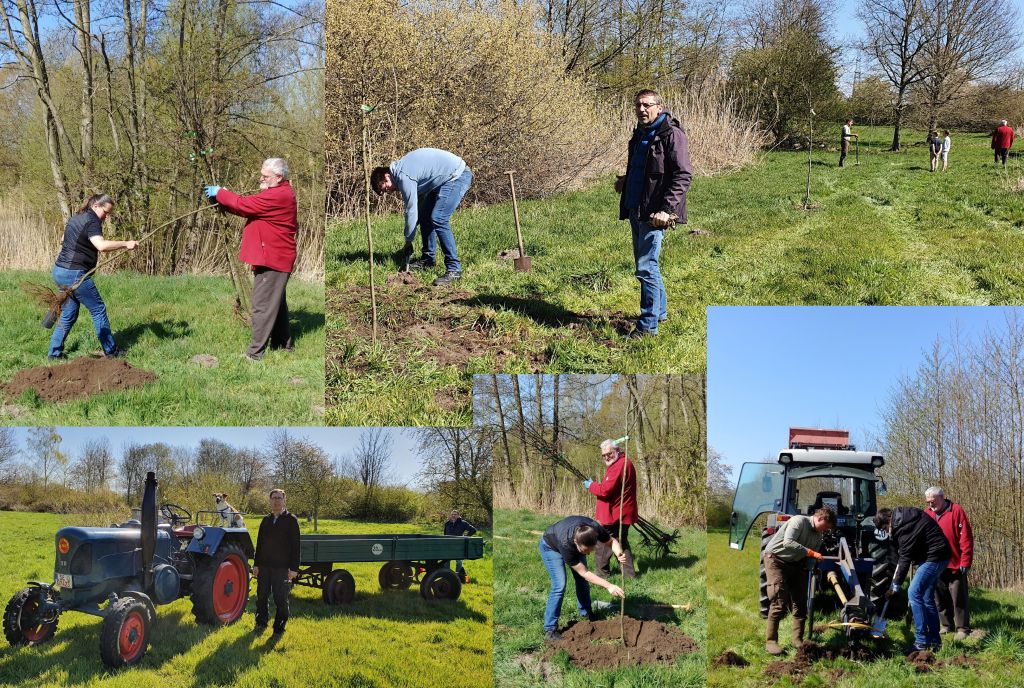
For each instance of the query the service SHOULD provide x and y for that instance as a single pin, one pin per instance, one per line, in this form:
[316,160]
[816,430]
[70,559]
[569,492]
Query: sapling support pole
[367,109]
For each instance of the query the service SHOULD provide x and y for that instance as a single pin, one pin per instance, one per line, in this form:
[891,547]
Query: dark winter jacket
[668,172]
[277,544]
[459,527]
[918,538]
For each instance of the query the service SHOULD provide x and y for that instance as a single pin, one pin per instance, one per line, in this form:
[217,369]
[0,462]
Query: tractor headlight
[198,533]
[785,458]
[877,461]
[63,546]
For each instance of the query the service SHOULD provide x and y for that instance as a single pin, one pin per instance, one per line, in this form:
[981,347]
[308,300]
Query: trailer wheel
[441,584]
[125,633]
[220,588]
[21,627]
[763,601]
[395,575]
[340,587]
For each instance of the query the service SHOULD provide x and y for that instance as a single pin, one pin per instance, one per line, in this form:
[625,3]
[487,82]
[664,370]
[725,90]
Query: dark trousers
[787,588]
[269,312]
[272,579]
[844,148]
[951,599]
[603,554]
[1001,154]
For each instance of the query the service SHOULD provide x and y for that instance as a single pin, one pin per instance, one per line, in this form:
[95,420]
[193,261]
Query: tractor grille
[81,562]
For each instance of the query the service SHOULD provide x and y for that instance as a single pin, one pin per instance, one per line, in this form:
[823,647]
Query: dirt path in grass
[81,377]
[596,644]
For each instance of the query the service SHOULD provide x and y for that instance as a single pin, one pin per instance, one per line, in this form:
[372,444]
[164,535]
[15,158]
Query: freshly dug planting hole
[81,377]
[595,644]
[811,652]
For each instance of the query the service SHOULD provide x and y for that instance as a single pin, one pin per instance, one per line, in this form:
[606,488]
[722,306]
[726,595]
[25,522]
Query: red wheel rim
[38,631]
[132,638]
[230,589]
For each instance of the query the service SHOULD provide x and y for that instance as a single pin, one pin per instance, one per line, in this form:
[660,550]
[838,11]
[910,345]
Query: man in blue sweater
[432,183]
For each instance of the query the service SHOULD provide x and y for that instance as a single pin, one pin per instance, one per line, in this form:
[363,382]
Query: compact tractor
[121,573]
[821,468]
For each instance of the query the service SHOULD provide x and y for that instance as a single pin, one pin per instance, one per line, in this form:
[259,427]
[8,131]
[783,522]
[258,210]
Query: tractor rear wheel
[220,588]
[885,556]
[441,584]
[339,588]
[395,575]
[21,625]
[125,633]
[763,601]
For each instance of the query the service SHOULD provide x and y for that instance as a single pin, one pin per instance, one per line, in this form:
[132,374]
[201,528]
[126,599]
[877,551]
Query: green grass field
[381,639]
[886,231]
[735,625]
[163,322]
[521,586]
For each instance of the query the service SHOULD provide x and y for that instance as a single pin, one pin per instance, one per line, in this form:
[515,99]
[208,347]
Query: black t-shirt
[559,536]
[77,251]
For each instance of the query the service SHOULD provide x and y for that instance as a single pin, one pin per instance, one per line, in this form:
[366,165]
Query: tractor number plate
[64,580]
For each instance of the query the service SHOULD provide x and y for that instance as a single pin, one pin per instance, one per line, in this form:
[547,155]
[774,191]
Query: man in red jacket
[1002,139]
[268,246]
[951,591]
[609,493]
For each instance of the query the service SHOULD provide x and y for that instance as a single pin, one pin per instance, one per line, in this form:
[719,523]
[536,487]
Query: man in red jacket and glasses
[268,246]
[951,590]
[609,493]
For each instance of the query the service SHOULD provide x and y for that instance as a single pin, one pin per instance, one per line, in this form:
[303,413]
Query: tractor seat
[828,498]
[183,531]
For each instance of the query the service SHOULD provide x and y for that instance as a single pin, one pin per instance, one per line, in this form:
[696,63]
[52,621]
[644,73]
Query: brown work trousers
[603,555]
[787,588]
[951,599]
[269,312]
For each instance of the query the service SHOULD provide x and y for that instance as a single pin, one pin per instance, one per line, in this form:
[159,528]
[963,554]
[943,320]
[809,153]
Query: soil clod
[595,644]
[79,378]
[729,658]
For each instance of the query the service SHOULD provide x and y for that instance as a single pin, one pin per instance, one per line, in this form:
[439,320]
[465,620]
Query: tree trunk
[504,435]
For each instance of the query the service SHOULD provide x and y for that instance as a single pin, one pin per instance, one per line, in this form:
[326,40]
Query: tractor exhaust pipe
[148,531]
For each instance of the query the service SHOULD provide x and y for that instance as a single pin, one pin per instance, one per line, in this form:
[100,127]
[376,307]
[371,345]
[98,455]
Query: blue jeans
[458,564]
[555,565]
[435,216]
[85,295]
[922,603]
[646,249]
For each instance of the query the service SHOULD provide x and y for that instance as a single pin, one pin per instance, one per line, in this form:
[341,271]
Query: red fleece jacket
[957,530]
[1002,137]
[609,492]
[268,239]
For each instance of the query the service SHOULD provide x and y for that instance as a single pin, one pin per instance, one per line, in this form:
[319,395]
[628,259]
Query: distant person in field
[934,149]
[276,562]
[946,142]
[82,244]
[609,492]
[432,183]
[844,141]
[268,246]
[653,198]
[567,543]
[951,589]
[918,540]
[1002,141]
[456,526]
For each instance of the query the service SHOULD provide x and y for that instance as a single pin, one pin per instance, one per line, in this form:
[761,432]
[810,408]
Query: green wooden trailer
[405,559]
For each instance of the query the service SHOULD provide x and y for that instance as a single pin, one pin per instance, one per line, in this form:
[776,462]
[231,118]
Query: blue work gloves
[586,484]
[211,192]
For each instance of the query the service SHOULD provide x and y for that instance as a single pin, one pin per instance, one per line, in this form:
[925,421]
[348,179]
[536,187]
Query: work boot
[771,645]
[798,631]
[551,636]
[627,568]
[421,264]
[447,278]
[961,636]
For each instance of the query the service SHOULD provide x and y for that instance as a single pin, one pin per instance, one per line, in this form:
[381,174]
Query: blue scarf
[638,165]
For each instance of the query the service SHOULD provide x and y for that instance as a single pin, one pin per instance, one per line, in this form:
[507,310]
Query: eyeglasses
[647,106]
[608,455]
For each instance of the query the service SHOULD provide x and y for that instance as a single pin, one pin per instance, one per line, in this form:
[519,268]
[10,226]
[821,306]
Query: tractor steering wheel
[177,514]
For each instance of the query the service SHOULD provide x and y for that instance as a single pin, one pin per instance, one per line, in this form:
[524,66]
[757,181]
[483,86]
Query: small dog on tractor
[123,572]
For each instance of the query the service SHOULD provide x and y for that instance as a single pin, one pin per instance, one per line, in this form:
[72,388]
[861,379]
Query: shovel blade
[524,264]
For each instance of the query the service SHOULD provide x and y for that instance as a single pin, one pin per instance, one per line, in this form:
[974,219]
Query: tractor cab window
[846,496]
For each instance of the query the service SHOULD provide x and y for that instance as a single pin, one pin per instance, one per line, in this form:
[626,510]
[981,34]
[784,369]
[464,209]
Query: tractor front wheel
[220,588]
[441,584]
[125,633]
[22,625]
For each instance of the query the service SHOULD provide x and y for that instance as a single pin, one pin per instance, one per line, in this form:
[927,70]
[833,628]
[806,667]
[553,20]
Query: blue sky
[338,442]
[770,368]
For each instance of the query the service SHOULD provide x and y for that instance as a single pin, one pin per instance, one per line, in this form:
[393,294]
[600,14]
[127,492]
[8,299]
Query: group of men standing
[938,540]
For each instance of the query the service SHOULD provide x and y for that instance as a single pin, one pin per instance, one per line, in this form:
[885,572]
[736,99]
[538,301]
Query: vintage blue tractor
[121,573]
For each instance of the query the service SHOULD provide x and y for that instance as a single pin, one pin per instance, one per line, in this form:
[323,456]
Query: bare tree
[457,466]
[369,462]
[44,446]
[93,469]
[8,452]
[312,488]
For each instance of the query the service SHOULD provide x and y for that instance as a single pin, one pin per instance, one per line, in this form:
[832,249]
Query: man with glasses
[268,246]
[614,503]
[653,198]
[276,562]
[432,183]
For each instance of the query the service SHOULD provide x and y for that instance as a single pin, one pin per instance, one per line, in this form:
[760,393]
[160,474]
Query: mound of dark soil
[924,661]
[81,377]
[729,658]
[596,644]
[811,652]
